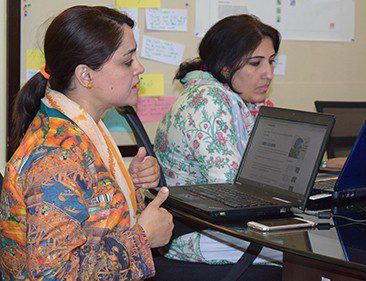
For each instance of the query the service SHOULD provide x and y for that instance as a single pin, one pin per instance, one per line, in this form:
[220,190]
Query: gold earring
[89,85]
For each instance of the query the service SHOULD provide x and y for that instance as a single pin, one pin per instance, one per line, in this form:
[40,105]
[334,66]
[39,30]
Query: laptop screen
[353,173]
[282,153]
[352,237]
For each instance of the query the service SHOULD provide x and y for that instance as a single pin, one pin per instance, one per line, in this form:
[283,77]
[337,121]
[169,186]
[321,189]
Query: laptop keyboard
[325,185]
[228,196]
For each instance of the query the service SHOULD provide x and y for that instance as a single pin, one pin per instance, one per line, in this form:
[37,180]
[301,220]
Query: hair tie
[44,73]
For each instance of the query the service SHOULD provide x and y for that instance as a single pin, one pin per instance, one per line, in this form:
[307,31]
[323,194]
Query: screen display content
[283,153]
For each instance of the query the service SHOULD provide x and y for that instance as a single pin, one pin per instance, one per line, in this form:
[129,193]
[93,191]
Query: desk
[338,253]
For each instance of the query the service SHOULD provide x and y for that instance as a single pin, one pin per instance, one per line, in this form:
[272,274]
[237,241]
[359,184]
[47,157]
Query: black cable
[351,224]
[320,215]
[325,215]
[350,219]
[324,226]
[319,226]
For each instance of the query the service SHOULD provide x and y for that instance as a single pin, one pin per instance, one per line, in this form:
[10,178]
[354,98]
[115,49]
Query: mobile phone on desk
[280,224]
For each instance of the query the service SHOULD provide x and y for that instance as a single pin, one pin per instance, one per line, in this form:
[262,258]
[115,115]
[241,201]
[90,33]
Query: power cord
[325,215]
[320,215]
[347,218]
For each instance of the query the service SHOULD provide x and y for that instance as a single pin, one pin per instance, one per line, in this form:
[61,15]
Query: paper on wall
[208,12]
[162,50]
[166,19]
[151,85]
[322,20]
[34,61]
[131,12]
[153,109]
[280,65]
[138,3]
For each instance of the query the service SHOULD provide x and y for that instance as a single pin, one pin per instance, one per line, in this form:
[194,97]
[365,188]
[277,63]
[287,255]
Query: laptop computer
[351,182]
[277,170]
[350,116]
[352,234]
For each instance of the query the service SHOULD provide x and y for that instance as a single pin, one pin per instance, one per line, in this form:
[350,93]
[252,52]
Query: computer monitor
[350,117]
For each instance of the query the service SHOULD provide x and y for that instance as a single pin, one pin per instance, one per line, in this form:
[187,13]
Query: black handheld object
[142,139]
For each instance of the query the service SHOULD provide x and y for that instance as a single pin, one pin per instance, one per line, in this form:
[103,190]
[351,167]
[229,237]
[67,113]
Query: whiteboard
[320,20]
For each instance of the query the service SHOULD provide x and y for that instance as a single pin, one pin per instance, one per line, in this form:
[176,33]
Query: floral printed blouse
[62,215]
[196,141]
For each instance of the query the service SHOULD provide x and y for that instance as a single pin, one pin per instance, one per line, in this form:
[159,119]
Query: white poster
[166,19]
[321,20]
[161,50]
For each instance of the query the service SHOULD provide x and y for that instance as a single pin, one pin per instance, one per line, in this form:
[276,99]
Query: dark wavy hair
[226,44]
[79,35]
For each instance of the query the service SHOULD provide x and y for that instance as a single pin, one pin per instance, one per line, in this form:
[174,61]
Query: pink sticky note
[152,109]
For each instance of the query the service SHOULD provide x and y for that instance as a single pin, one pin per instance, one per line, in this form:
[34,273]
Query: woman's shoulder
[52,134]
[67,136]
[202,85]
[62,134]
[200,79]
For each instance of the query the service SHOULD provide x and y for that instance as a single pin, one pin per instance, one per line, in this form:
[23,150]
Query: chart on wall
[320,20]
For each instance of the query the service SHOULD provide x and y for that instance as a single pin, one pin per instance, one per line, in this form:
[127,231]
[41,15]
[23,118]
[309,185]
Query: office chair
[142,139]
[350,117]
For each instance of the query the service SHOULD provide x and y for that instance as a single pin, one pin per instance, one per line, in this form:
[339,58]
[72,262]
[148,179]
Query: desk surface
[344,244]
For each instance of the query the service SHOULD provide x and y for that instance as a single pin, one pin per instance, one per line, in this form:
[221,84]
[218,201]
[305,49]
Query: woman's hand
[144,170]
[156,221]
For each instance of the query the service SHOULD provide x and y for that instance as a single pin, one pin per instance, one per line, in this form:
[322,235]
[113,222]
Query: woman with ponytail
[26,106]
[69,208]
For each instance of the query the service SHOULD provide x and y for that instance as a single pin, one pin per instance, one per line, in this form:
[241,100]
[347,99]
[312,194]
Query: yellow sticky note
[151,85]
[138,4]
[34,59]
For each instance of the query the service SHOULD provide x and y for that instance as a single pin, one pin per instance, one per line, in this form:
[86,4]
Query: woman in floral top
[202,138]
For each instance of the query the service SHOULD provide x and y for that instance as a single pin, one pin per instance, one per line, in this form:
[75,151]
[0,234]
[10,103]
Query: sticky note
[151,85]
[152,109]
[34,59]
[138,3]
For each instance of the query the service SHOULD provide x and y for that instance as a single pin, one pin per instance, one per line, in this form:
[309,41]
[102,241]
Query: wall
[315,70]
[323,70]
[2,84]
